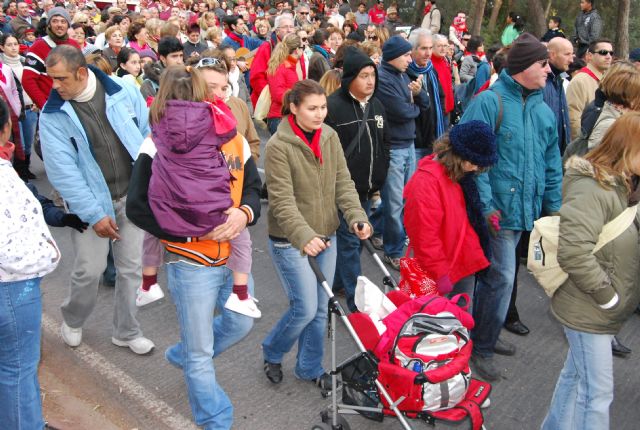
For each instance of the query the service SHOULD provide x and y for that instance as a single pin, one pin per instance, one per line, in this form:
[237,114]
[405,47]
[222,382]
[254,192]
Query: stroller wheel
[326,416]
[321,426]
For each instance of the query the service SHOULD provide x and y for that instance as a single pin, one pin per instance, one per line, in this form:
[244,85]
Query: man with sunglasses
[583,86]
[525,183]
[302,15]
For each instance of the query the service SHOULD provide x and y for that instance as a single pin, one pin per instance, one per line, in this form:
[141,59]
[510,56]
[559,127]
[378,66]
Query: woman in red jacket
[283,71]
[442,215]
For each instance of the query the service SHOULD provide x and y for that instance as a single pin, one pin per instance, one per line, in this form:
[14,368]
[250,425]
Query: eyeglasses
[207,62]
[543,63]
[603,52]
[303,13]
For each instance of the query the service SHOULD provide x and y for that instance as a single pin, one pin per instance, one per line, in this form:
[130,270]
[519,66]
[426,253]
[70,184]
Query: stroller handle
[313,262]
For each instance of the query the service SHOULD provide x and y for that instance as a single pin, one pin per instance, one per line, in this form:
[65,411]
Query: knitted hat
[58,11]
[525,51]
[395,47]
[634,55]
[474,141]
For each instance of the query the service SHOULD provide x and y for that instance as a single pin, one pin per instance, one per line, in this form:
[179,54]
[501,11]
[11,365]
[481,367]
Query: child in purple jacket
[189,189]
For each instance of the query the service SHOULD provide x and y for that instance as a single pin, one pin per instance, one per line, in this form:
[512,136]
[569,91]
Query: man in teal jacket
[525,183]
[91,129]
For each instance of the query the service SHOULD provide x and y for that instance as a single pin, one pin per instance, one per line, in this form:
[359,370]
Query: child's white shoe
[145,297]
[245,307]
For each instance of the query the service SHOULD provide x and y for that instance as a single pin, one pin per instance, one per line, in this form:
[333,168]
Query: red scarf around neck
[314,145]
[6,151]
[237,38]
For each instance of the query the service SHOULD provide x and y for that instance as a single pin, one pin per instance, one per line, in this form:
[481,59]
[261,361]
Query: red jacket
[443,70]
[35,80]
[435,215]
[281,81]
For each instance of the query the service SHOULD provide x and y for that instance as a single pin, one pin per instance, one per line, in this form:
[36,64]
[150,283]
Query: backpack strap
[473,411]
[589,72]
[363,124]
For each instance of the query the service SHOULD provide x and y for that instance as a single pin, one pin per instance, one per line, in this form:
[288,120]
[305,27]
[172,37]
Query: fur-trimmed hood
[579,166]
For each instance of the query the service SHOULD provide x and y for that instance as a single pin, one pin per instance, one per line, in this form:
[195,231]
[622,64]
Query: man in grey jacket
[588,26]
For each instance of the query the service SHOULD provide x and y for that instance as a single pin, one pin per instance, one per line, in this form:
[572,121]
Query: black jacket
[426,121]
[369,160]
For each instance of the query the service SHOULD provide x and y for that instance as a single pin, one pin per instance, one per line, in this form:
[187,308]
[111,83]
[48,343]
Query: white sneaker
[245,307]
[145,297]
[139,345]
[71,336]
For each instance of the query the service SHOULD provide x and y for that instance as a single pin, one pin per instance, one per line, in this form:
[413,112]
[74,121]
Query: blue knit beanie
[395,47]
[474,141]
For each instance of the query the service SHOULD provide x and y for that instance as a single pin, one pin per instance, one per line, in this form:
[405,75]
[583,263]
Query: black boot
[618,349]
[20,167]
[28,172]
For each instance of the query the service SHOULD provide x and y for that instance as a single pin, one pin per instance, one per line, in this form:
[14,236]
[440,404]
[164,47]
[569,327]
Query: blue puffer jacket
[555,97]
[527,179]
[68,160]
[250,43]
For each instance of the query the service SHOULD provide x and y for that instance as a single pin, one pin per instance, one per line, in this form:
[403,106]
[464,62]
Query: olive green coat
[594,279]
[304,194]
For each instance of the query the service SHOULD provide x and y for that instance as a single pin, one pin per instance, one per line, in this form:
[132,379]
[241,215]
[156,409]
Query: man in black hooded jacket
[360,120]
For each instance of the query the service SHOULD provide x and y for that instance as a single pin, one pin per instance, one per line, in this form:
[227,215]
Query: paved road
[154,391]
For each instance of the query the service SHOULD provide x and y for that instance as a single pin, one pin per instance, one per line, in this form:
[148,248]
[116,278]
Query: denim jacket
[69,162]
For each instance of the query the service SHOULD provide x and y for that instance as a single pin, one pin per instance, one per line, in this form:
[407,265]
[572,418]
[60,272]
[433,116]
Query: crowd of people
[416,138]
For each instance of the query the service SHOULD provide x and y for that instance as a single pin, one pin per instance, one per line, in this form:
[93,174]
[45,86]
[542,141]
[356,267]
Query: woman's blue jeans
[197,291]
[28,130]
[306,319]
[20,316]
[584,390]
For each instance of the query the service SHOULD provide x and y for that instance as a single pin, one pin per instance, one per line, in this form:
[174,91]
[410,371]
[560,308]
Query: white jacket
[27,249]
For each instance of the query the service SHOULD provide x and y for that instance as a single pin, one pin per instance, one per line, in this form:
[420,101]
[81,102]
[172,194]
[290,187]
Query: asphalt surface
[154,392]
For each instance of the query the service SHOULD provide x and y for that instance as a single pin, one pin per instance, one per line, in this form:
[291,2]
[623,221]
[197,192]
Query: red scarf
[427,9]
[6,151]
[589,72]
[315,142]
[223,119]
[233,36]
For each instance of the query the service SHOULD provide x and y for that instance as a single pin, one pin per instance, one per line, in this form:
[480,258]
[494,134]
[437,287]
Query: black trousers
[521,251]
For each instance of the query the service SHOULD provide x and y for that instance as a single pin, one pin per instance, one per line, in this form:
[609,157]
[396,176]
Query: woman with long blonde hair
[603,288]
[283,72]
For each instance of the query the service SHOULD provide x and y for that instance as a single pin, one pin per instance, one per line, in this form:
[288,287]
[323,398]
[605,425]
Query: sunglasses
[207,62]
[603,52]
[374,38]
[543,63]
[303,13]
[304,39]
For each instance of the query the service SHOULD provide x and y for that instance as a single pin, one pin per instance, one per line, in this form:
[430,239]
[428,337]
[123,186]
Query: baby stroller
[412,361]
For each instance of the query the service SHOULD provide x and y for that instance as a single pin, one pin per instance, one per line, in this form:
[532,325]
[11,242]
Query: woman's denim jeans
[306,319]
[197,291]
[20,315]
[28,130]
[584,390]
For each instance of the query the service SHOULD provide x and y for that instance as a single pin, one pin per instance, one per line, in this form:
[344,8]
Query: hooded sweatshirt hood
[354,61]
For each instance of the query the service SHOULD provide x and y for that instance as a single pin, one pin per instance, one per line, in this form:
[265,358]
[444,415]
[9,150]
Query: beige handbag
[263,105]
[542,260]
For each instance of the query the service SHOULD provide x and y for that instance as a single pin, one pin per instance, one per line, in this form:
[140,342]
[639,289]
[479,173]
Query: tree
[536,18]
[494,14]
[622,35]
[478,14]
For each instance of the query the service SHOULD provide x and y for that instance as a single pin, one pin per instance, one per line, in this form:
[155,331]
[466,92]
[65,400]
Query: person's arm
[280,82]
[583,214]
[423,219]
[61,163]
[251,187]
[595,29]
[347,198]
[258,71]
[282,201]
[454,38]
[552,199]
[34,71]
[467,69]
[436,21]
[403,109]
[52,214]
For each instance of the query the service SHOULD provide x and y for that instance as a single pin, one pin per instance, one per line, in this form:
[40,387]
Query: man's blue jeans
[20,315]
[197,291]
[401,167]
[306,319]
[349,249]
[584,390]
[28,130]
[493,292]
